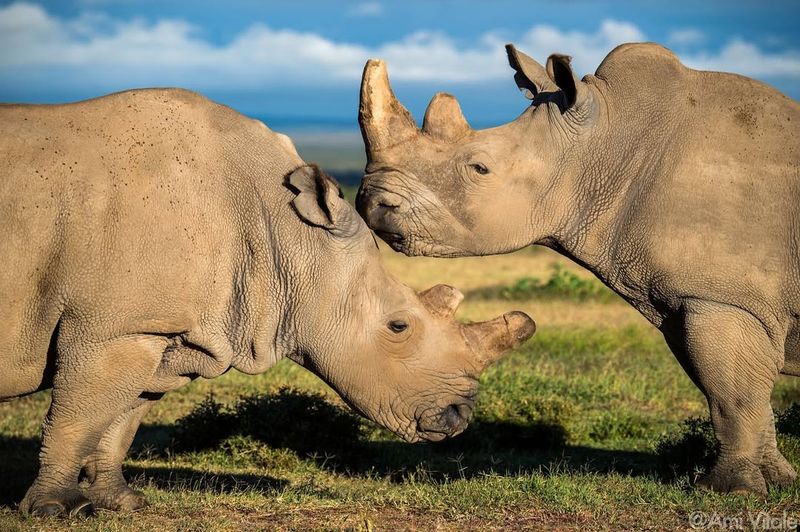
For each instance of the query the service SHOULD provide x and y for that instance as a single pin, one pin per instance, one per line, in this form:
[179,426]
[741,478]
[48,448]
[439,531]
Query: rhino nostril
[377,199]
[456,415]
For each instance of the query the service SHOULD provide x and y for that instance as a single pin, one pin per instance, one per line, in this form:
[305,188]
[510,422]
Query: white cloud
[94,49]
[746,58]
[587,49]
[686,37]
[366,9]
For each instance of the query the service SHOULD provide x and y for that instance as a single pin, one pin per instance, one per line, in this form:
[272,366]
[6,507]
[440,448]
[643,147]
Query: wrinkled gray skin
[151,237]
[679,189]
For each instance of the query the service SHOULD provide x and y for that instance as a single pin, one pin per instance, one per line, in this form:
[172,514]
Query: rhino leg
[775,468]
[103,482]
[729,355]
[94,384]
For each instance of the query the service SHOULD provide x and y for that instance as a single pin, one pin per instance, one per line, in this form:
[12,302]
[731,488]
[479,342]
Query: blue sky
[300,61]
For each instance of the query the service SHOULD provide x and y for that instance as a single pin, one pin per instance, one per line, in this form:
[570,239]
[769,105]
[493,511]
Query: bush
[301,421]
[693,448]
[561,284]
[788,421]
[205,426]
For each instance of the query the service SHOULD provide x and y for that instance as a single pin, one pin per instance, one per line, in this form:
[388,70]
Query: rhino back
[712,212]
[135,212]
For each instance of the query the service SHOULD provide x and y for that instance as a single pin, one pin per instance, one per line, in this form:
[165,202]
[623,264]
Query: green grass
[570,431]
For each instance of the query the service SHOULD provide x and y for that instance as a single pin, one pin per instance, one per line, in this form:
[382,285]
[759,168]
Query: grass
[591,424]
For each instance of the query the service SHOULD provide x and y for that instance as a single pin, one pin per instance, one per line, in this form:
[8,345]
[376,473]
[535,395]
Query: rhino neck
[588,231]
[312,276]
[616,173]
[256,315]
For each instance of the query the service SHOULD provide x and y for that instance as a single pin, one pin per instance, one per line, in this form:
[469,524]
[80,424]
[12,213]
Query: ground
[581,428]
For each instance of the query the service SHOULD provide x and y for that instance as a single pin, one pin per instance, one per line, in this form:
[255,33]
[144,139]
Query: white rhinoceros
[152,237]
[679,189]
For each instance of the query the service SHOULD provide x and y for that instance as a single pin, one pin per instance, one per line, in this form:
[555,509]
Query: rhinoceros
[677,188]
[151,237]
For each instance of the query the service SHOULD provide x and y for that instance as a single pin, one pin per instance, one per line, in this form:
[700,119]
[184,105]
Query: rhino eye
[397,326]
[481,169]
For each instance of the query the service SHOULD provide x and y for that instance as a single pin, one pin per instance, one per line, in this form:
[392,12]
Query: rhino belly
[27,332]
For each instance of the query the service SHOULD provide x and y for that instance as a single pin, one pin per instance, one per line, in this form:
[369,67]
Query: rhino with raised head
[679,189]
[152,237]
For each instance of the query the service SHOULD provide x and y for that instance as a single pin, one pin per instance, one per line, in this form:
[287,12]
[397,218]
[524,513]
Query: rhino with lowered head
[679,189]
[152,237]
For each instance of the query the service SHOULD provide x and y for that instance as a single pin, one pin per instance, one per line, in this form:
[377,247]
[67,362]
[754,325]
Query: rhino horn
[383,119]
[444,118]
[490,340]
[442,299]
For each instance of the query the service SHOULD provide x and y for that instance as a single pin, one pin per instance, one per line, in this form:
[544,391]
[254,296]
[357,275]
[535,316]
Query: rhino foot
[66,504]
[115,496]
[777,470]
[126,500]
[735,476]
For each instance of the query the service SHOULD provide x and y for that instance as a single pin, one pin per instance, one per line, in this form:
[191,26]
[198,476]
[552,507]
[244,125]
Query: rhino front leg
[104,483]
[728,354]
[775,468]
[94,384]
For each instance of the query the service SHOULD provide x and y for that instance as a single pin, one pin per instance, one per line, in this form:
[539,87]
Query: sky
[300,62]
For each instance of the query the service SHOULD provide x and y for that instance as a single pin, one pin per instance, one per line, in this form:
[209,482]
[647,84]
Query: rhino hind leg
[103,482]
[93,386]
[729,355]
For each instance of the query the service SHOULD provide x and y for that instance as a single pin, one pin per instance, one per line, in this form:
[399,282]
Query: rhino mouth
[437,424]
[418,227]
[390,237]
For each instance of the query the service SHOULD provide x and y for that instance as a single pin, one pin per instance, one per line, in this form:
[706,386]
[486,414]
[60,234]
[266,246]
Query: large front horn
[384,121]
[490,340]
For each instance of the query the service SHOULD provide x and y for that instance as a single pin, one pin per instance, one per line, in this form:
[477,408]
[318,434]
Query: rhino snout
[379,208]
[440,423]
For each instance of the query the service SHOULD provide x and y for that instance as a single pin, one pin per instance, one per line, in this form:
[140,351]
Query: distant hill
[335,145]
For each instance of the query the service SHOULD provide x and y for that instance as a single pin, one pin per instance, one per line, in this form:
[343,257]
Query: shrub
[562,283]
[301,421]
[788,421]
[693,448]
[205,426]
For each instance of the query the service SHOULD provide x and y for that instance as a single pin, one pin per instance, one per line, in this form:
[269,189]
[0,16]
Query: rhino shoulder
[626,60]
[223,119]
[137,100]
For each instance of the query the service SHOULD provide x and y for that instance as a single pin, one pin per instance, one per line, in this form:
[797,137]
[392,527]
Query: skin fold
[678,188]
[152,237]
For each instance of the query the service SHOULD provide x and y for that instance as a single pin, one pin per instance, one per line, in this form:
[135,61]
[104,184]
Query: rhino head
[397,356]
[449,190]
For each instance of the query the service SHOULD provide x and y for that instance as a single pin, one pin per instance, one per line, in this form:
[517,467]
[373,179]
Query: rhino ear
[560,71]
[530,76]
[556,83]
[320,201]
